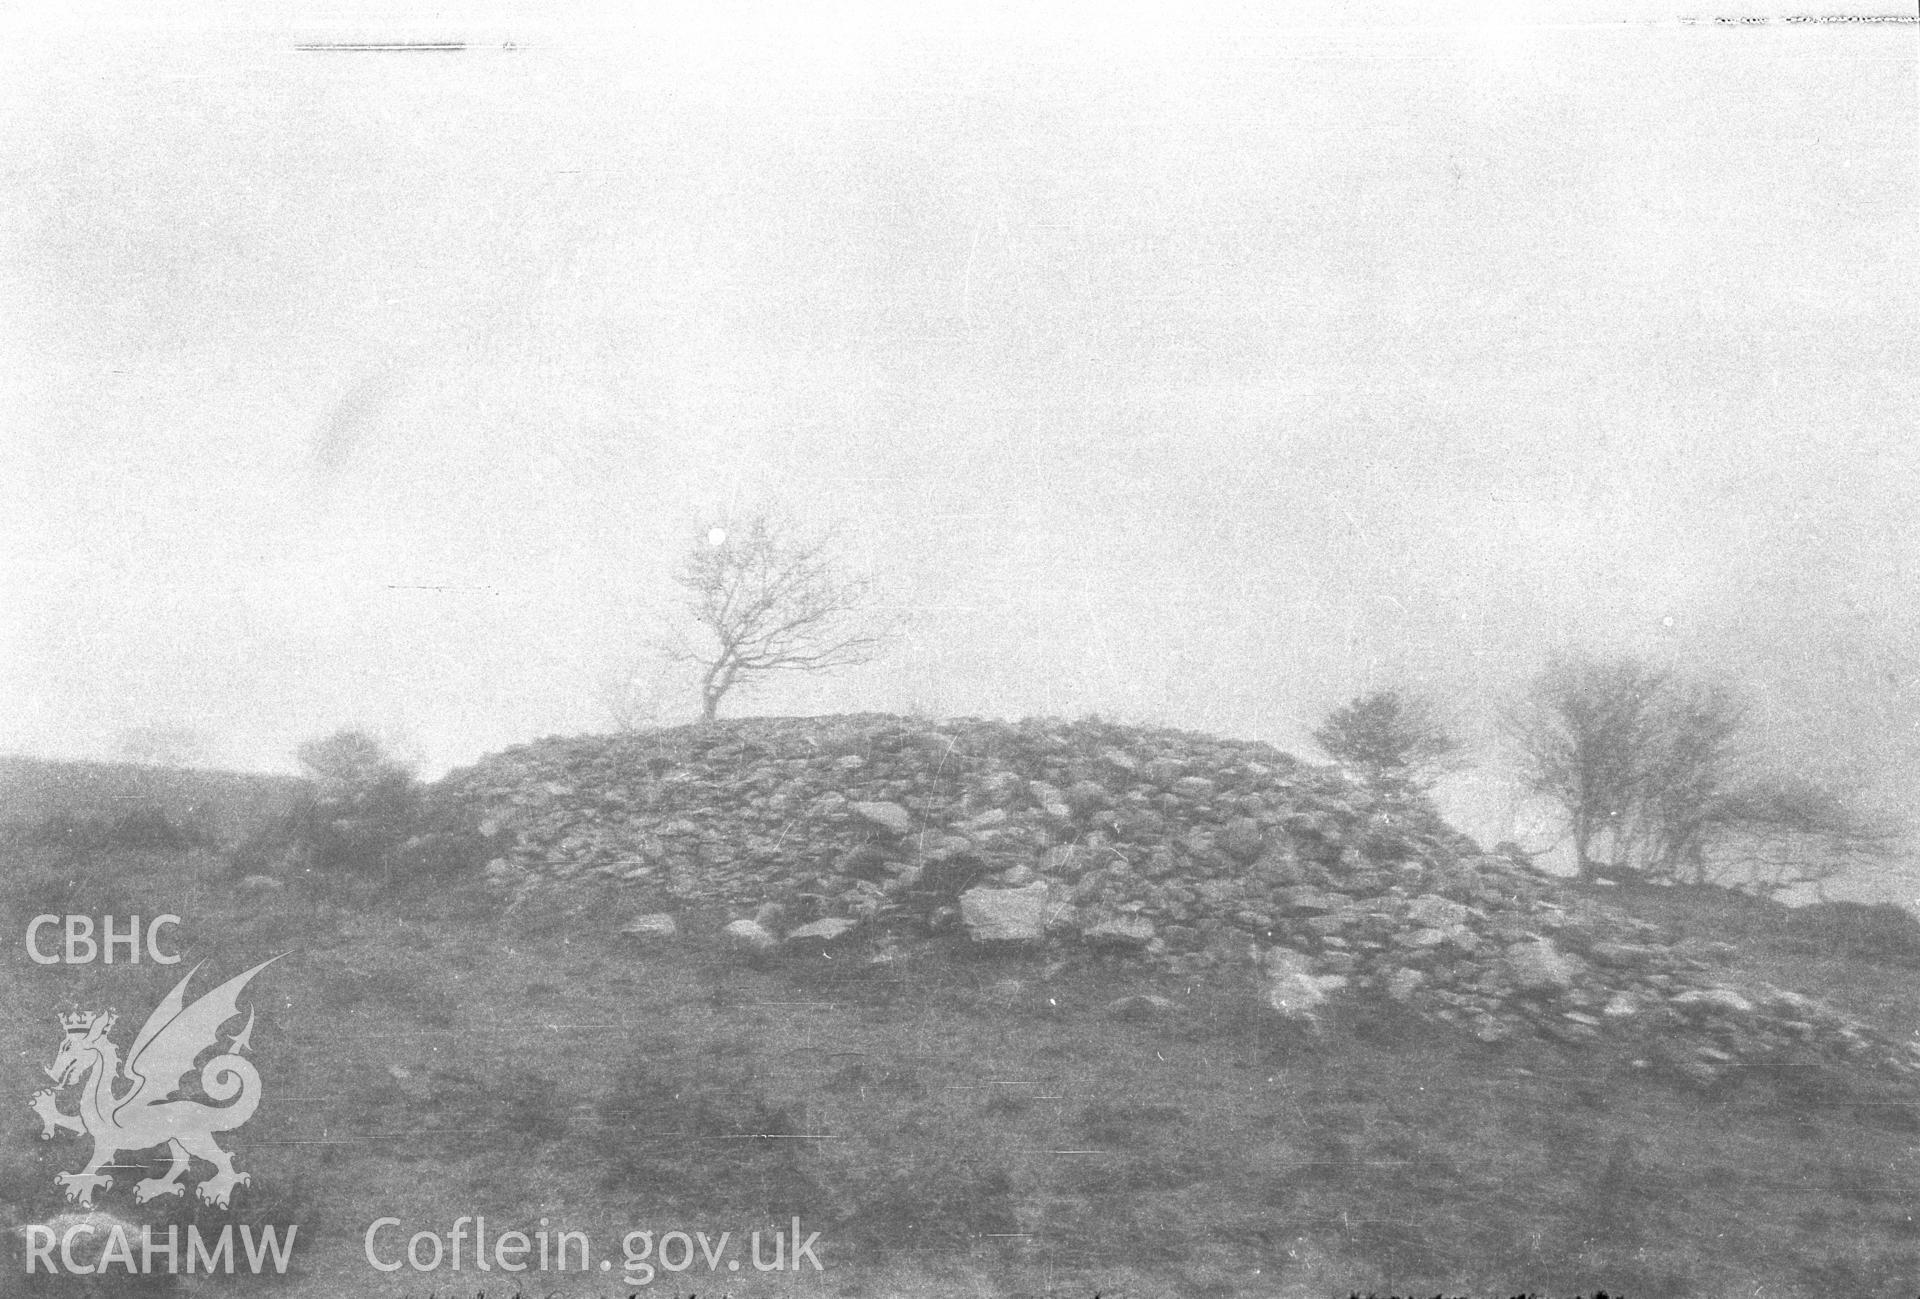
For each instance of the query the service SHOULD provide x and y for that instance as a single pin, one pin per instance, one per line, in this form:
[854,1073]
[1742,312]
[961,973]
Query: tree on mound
[1395,741]
[1658,779]
[767,599]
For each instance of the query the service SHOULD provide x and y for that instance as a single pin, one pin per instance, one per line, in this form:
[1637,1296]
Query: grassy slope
[956,1125]
[221,805]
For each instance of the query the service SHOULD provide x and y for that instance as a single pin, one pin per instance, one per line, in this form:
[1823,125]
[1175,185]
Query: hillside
[41,797]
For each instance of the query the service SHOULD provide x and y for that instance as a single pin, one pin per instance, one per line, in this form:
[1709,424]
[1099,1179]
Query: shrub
[349,764]
[364,814]
[1397,742]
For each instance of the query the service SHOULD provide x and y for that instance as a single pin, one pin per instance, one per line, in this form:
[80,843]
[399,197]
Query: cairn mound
[1183,850]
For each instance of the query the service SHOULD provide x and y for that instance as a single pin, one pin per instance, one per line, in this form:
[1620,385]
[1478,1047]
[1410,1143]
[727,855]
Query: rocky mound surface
[1184,850]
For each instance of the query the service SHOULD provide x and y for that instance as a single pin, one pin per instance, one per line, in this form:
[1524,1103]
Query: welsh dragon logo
[148,1113]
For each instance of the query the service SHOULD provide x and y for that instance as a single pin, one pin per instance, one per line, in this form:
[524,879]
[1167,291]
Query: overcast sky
[1200,365]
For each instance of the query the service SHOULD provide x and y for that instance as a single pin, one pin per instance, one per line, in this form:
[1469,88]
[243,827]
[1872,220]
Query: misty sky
[1197,365]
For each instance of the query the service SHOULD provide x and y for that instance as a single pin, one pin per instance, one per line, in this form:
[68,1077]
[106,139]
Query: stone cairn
[1181,850]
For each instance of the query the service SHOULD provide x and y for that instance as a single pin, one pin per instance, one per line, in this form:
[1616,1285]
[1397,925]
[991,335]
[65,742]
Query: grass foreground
[949,1123]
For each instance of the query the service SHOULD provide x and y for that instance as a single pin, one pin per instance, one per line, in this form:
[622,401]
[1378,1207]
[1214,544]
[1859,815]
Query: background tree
[365,804]
[1780,831]
[1396,741]
[1584,735]
[351,764]
[768,599]
[1657,779]
[1696,763]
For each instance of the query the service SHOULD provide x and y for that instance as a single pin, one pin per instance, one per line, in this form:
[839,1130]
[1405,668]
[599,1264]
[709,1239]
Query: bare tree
[1584,735]
[1782,831]
[1657,781]
[767,599]
[1395,740]
[1695,762]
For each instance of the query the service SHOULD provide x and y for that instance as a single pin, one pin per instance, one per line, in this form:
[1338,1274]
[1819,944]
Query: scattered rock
[1139,1007]
[1403,983]
[261,884]
[658,925]
[1795,1003]
[1307,900]
[1088,795]
[832,929]
[1621,956]
[749,935]
[1244,840]
[1130,931]
[1538,966]
[1440,913]
[1291,991]
[1491,1030]
[1621,1005]
[1723,1001]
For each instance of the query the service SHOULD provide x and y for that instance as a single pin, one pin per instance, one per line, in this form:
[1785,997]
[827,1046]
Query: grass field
[948,1124]
[86,800]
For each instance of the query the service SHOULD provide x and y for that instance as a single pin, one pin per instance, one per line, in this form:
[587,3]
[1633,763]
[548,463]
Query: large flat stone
[658,925]
[1539,966]
[888,816]
[749,935]
[1127,931]
[829,930]
[1005,915]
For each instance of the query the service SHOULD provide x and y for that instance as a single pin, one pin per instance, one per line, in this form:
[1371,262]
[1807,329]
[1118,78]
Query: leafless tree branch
[768,600]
